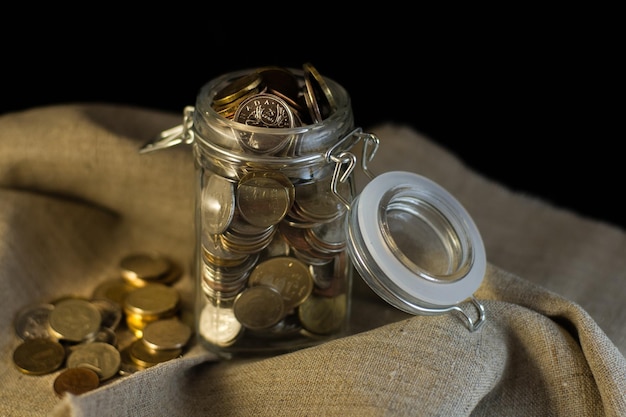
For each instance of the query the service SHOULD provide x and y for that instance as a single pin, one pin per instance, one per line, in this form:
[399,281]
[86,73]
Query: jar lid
[415,245]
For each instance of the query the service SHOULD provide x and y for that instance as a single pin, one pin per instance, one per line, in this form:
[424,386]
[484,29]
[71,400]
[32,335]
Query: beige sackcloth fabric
[76,196]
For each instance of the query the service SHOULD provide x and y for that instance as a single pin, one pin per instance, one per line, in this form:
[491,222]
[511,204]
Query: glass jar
[280,229]
[272,268]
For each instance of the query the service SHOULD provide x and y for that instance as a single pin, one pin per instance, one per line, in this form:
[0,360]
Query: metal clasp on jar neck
[173,136]
[345,161]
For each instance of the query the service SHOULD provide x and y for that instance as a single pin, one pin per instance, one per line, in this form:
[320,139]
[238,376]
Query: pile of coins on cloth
[129,323]
[273,244]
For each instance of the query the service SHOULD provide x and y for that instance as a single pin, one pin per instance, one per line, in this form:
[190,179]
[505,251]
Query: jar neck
[300,140]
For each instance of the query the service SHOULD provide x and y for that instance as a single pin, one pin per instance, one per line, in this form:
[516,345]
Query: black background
[535,103]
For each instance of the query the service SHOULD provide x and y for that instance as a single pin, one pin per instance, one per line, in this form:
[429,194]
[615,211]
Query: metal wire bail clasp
[471,324]
[345,161]
[173,136]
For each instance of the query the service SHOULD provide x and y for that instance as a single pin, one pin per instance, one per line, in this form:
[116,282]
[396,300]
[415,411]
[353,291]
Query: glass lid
[415,245]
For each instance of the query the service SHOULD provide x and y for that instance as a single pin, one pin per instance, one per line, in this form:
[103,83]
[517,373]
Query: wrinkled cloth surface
[76,196]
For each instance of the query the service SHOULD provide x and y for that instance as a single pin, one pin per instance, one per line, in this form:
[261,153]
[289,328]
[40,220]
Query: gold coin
[153,300]
[323,315]
[74,319]
[237,89]
[145,357]
[127,366]
[166,334]
[259,307]
[141,268]
[39,356]
[319,97]
[100,357]
[114,289]
[263,200]
[289,276]
[76,381]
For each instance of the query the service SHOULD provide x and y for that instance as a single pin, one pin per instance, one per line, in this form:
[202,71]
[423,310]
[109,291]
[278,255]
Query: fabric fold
[76,195]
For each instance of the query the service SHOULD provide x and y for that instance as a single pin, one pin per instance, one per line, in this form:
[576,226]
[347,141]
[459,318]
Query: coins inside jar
[269,99]
[270,259]
[264,111]
[273,270]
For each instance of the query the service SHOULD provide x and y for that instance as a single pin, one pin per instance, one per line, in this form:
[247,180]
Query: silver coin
[265,111]
[31,322]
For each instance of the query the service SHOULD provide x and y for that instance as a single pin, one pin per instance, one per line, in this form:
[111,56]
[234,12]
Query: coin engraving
[266,111]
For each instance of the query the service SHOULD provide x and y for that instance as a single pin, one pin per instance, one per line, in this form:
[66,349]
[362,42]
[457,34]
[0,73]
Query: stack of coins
[129,323]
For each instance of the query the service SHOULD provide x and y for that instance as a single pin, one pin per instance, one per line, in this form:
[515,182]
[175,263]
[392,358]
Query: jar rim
[208,91]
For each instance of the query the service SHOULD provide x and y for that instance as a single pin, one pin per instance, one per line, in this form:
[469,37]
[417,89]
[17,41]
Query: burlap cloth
[75,196]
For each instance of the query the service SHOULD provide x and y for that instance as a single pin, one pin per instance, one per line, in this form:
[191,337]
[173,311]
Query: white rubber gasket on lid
[421,290]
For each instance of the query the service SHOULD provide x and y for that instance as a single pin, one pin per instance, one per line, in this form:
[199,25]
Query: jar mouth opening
[207,92]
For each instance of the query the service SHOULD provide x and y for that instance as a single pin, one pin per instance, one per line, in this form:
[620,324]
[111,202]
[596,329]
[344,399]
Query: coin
[32,321]
[152,301]
[76,381]
[145,357]
[218,204]
[323,315]
[166,334]
[237,89]
[218,325]
[127,366]
[110,312]
[39,356]
[114,289]
[266,111]
[141,268]
[100,357]
[319,97]
[214,252]
[259,307]
[74,319]
[289,276]
[263,200]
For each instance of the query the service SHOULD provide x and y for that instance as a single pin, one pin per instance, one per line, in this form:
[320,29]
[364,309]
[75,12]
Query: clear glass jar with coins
[272,268]
[279,227]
